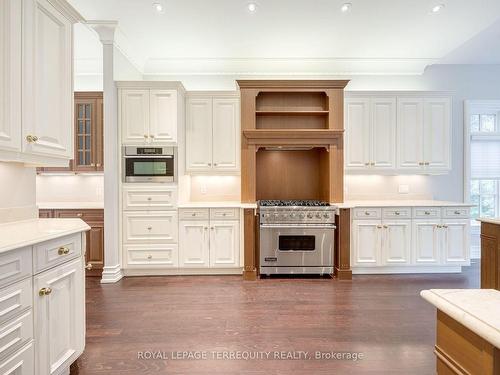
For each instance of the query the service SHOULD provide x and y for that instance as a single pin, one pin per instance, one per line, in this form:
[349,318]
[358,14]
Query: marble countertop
[490,220]
[400,203]
[225,204]
[69,205]
[476,309]
[18,234]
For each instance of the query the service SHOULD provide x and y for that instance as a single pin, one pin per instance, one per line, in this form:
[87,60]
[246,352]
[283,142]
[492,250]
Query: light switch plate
[203,188]
[404,189]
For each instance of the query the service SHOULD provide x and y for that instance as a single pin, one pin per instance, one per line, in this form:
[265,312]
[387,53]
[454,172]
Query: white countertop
[400,203]
[70,205]
[490,221]
[28,232]
[227,204]
[476,309]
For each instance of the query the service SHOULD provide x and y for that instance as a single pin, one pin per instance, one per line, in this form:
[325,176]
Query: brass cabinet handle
[397,213]
[385,226]
[457,212]
[367,164]
[215,164]
[426,163]
[444,226]
[145,136]
[151,136]
[193,214]
[149,198]
[205,228]
[88,266]
[44,292]
[421,163]
[367,213]
[150,256]
[209,164]
[149,228]
[427,213]
[212,228]
[372,164]
[63,251]
[31,138]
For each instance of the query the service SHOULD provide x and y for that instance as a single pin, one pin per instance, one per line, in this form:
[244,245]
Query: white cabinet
[367,242]
[194,243]
[21,363]
[427,241]
[36,81]
[10,74]
[59,307]
[150,227]
[424,139]
[212,133]
[224,242]
[396,242]
[370,133]
[209,238]
[148,116]
[456,241]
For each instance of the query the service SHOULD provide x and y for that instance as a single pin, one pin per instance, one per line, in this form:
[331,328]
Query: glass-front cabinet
[88,132]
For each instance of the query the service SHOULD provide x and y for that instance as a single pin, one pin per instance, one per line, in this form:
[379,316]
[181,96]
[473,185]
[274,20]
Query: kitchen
[228,179]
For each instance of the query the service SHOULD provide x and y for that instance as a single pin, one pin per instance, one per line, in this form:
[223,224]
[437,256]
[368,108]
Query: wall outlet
[203,188]
[404,189]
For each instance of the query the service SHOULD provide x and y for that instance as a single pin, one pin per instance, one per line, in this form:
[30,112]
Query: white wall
[17,192]
[465,81]
[70,188]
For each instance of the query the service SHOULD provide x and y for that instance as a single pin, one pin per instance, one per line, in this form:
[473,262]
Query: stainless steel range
[296,237]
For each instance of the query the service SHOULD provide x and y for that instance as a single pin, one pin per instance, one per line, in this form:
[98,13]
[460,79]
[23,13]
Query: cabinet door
[134,116]
[199,134]
[10,75]
[357,120]
[47,80]
[163,121]
[437,123]
[367,242]
[426,242]
[224,243]
[456,241]
[396,243]
[88,132]
[59,317]
[410,133]
[194,244]
[95,248]
[225,134]
[20,363]
[383,133]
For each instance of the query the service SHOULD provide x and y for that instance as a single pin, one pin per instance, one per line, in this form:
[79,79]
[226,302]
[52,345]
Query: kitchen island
[490,253]
[468,330]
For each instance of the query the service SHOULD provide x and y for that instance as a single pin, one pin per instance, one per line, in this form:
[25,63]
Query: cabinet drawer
[14,299]
[224,213]
[367,213]
[15,265]
[152,226]
[51,253]
[396,213]
[456,212]
[16,333]
[85,215]
[151,255]
[21,363]
[149,199]
[194,213]
[426,212]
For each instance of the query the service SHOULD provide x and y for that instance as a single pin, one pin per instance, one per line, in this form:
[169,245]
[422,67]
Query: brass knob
[367,213]
[444,226]
[385,226]
[145,136]
[98,165]
[397,213]
[379,226]
[193,214]
[427,213]
[151,136]
[215,164]
[31,138]
[149,228]
[88,266]
[372,164]
[149,198]
[63,251]
[421,163]
[150,257]
[224,214]
[367,164]
[212,228]
[426,163]
[457,212]
[209,164]
[44,292]
[205,228]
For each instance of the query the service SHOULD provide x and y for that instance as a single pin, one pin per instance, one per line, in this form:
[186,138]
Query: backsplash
[69,188]
[17,192]
[360,187]
[215,188]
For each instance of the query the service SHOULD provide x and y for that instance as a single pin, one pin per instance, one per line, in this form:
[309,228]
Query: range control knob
[302,216]
[318,215]
[276,215]
[326,215]
[310,215]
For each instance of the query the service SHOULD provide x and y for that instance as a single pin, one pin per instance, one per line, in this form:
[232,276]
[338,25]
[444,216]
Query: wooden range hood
[292,114]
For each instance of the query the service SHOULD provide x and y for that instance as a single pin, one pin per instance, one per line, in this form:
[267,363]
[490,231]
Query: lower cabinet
[154,255]
[209,243]
[21,363]
[382,241]
[59,307]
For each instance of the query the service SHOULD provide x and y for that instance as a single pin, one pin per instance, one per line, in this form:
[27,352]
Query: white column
[112,271]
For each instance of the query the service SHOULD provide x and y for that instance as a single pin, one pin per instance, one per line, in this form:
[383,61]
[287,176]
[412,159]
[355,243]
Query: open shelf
[292,112]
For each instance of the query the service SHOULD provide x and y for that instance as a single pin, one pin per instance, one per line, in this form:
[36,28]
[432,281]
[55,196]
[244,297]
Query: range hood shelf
[295,137]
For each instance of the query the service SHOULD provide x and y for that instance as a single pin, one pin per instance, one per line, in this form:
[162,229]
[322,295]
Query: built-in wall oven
[296,237]
[149,164]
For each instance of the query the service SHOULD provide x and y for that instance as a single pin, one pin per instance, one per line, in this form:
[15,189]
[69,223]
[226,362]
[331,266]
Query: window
[484,195]
[485,123]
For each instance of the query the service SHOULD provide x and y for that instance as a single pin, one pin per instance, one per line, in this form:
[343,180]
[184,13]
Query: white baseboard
[405,270]
[181,271]
[111,274]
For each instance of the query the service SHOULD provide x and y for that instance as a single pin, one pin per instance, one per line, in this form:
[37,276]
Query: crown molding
[71,13]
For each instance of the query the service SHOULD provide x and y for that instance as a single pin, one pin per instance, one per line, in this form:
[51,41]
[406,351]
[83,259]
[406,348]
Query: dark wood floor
[380,316]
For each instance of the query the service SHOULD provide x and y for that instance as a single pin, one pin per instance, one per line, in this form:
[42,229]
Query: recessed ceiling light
[346,7]
[437,8]
[252,7]
[159,7]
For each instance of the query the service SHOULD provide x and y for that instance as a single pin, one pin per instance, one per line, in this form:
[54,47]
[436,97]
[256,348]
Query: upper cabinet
[148,116]
[212,133]
[36,57]
[398,133]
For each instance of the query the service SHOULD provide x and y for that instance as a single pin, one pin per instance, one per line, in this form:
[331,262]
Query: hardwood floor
[381,316]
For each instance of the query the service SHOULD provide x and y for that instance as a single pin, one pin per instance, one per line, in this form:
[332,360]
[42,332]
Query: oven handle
[299,226]
[148,156]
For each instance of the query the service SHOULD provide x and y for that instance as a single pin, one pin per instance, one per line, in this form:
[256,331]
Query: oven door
[149,169]
[296,246]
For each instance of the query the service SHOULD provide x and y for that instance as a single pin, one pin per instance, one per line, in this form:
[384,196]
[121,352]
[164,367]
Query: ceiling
[295,36]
